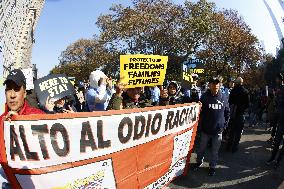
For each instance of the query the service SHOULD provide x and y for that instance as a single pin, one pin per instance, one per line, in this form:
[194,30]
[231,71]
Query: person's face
[164,93]
[231,84]
[15,96]
[172,90]
[60,103]
[134,93]
[214,87]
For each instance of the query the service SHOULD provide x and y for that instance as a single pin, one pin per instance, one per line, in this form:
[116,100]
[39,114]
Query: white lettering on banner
[174,171]
[95,175]
[42,143]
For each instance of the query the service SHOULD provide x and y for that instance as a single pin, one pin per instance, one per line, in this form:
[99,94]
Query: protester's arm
[104,90]
[115,102]
[90,99]
[231,97]
[49,105]
[9,116]
[201,115]
[101,94]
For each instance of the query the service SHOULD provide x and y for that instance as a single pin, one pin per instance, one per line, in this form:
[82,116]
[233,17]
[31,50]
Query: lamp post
[34,68]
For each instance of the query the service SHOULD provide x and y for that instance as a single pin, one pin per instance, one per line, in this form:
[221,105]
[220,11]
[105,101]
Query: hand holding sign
[109,82]
[69,110]
[54,86]
[164,93]
[10,114]
[49,104]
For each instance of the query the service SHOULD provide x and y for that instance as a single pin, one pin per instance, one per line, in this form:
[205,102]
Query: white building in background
[18,19]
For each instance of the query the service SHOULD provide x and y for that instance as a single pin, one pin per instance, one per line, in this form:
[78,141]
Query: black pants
[273,124]
[235,132]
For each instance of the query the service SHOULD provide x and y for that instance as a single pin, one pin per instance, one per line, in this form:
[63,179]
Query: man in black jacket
[239,102]
[214,118]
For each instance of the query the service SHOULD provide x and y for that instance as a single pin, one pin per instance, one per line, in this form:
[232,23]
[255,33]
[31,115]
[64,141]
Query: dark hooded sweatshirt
[215,113]
[239,98]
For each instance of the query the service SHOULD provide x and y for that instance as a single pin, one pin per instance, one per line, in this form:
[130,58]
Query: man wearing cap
[15,93]
[214,118]
[239,102]
[16,104]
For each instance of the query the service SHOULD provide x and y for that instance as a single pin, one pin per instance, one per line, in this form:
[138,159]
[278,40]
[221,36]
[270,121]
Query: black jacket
[239,100]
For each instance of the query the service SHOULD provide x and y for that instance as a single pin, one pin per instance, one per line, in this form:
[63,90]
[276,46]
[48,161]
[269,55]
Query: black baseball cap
[16,76]
[214,80]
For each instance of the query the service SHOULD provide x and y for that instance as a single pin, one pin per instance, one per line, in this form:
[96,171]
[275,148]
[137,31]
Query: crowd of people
[222,116]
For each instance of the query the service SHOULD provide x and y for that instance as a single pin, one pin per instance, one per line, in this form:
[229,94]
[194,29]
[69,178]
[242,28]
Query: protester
[214,118]
[116,101]
[62,105]
[155,95]
[15,92]
[271,114]
[193,94]
[164,97]
[175,95]
[239,102]
[100,91]
[280,128]
[16,104]
[129,99]
[253,107]
[228,87]
[80,102]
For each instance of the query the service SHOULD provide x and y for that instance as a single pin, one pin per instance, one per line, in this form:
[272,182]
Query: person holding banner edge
[16,104]
[214,118]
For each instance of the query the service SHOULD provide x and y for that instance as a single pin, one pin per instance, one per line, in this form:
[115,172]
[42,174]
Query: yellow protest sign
[143,70]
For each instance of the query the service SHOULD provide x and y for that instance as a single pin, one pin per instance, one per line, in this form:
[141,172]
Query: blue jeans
[216,143]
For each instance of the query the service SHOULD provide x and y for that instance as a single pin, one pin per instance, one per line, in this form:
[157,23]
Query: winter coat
[239,99]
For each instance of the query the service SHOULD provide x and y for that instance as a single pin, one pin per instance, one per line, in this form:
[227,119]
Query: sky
[63,22]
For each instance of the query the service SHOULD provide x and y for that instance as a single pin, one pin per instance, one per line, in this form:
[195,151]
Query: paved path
[244,169]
